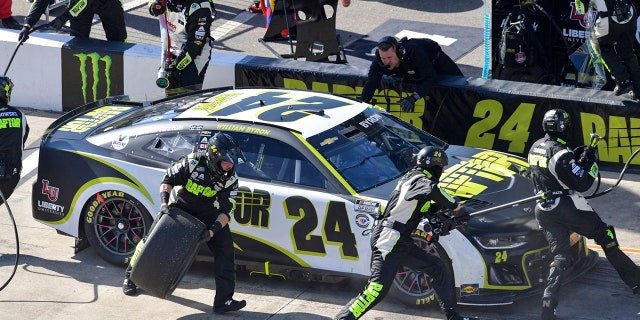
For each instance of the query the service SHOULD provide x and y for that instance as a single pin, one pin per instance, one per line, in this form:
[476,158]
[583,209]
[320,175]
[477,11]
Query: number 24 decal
[514,129]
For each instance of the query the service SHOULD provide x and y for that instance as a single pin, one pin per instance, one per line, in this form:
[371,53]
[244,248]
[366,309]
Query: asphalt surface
[53,282]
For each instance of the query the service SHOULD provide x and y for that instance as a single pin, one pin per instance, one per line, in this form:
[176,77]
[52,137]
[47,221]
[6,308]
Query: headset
[391,40]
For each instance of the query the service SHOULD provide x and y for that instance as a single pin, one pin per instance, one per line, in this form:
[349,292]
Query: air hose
[15,231]
[596,194]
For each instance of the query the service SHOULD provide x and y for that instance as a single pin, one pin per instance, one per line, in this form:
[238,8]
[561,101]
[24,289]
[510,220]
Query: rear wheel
[114,222]
[414,287]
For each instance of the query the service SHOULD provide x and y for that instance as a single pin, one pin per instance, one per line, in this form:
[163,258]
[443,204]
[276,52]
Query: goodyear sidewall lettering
[89,76]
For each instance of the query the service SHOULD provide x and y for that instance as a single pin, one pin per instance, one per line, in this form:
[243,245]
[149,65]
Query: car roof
[306,112]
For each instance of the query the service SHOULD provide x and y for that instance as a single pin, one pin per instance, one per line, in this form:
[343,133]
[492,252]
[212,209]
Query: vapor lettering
[198,189]
[365,299]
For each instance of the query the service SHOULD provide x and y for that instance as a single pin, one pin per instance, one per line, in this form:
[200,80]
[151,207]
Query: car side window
[173,145]
[272,160]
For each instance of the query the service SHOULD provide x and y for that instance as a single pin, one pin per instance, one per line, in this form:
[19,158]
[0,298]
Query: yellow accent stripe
[292,256]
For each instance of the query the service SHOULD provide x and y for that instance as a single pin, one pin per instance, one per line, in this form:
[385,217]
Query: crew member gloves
[24,33]
[59,22]
[407,104]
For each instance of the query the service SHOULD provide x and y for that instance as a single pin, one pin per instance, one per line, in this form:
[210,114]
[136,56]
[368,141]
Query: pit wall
[58,73]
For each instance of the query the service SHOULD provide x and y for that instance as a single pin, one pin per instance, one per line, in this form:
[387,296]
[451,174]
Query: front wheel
[114,223]
[413,287]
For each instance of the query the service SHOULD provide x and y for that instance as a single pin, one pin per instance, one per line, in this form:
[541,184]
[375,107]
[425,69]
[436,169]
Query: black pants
[221,245]
[187,80]
[384,269]
[617,51]
[7,185]
[557,225]
[111,15]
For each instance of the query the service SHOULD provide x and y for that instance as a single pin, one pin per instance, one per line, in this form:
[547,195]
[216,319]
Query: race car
[319,167]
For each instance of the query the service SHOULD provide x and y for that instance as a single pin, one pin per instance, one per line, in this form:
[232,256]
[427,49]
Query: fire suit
[554,167]
[189,24]
[616,36]
[392,245]
[421,62]
[14,131]
[205,196]
[80,14]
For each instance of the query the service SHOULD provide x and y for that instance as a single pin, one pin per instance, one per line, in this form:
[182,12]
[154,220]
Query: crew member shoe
[623,87]
[636,289]
[230,305]
[11,23]
[452,314]
[128,287]
[548,314]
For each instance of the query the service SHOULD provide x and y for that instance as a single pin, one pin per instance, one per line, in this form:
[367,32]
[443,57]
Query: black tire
[114,223]
[165,255]
[413,288]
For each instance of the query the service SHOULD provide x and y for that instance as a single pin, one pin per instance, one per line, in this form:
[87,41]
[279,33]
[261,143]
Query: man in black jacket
[555,167]
[417,61]
[416,195]
[81,14]
[14,131]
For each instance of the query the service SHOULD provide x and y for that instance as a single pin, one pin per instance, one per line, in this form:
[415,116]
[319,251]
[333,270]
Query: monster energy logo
[95,71]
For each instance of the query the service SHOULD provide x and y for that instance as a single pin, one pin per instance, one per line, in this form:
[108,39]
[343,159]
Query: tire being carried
[163,257]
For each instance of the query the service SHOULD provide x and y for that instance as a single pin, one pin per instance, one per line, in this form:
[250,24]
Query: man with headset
[13,134]
[417,61]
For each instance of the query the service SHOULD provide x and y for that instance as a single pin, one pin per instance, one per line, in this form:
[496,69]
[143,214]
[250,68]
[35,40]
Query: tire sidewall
[93,206]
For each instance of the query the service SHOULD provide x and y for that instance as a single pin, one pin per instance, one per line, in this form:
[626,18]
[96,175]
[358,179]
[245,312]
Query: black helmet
[430,156]
[5,89]
[556,120]
[222,147]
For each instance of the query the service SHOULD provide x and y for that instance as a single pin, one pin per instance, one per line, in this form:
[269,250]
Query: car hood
[481,179]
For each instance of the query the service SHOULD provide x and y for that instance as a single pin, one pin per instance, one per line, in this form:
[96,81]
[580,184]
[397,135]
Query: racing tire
[114,223]
[413,288]
[164,256]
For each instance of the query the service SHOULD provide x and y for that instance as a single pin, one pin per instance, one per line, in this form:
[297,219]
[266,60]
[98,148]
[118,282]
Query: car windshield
[372,148]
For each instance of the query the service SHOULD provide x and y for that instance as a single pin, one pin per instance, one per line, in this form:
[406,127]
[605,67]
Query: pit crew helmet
[222,147]
[430,156]
[6,86]
[556,120]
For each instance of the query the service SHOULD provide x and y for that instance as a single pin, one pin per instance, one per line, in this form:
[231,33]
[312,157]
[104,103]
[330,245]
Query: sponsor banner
[493,114]
[93,70]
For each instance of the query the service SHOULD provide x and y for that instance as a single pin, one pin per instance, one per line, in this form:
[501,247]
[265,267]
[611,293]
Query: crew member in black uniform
[14,131]
[189,24]
[418,61]
[209,185]
[555,167]
[416,195]
[81,13]
[615,30]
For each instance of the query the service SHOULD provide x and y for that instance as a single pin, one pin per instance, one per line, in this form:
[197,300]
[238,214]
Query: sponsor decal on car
[367,206]
[120,142]
[93,118]
[466,178]
[362,220]
[469,290]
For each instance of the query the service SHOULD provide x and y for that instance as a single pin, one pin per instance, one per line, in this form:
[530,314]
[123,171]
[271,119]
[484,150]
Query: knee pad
[607,239]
